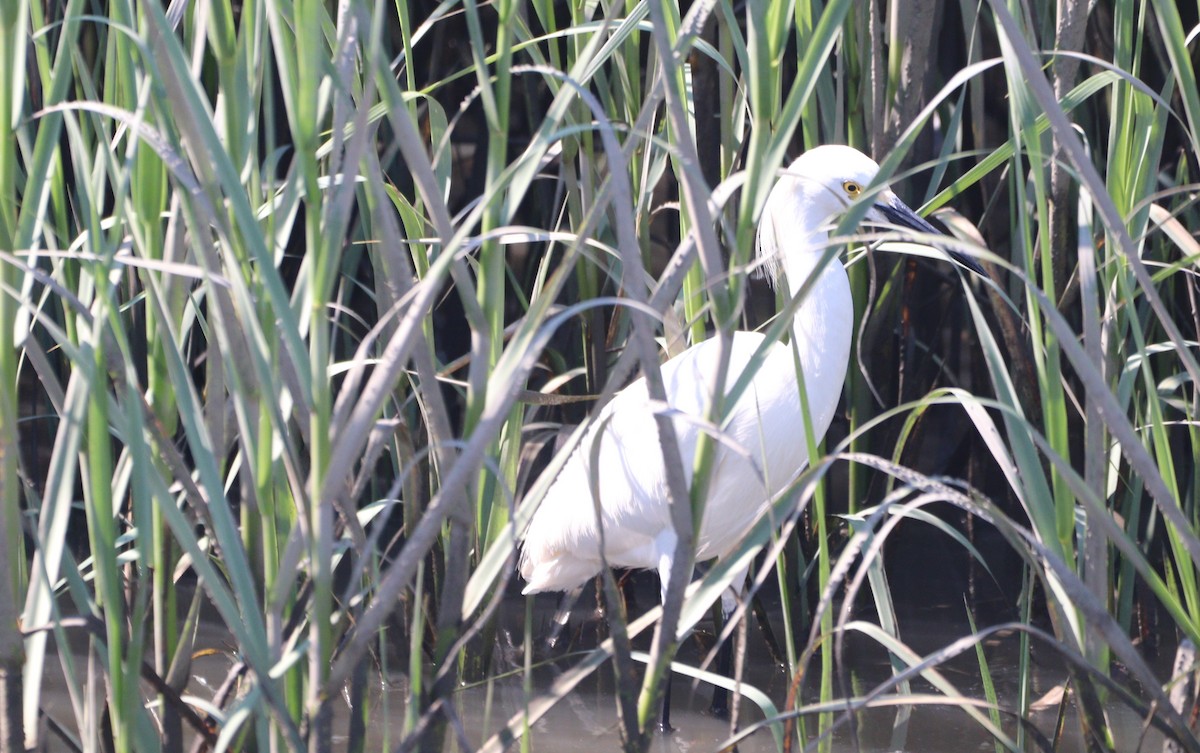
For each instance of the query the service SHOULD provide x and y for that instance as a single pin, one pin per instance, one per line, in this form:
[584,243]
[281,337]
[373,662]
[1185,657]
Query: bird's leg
[724,663]
[720,699]
[562,616]
[664,719]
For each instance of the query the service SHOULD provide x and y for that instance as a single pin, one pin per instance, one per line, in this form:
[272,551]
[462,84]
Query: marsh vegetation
[302,302]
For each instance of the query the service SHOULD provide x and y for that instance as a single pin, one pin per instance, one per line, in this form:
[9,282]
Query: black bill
[898,213]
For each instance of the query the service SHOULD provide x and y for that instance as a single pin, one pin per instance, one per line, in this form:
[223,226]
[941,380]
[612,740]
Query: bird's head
[819,187]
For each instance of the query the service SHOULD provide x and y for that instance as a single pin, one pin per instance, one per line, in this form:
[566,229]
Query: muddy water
[586,720]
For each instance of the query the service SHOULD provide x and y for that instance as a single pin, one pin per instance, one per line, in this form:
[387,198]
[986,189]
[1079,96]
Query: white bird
[561,548]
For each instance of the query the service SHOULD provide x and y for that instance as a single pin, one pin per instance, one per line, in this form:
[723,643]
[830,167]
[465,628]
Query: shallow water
[586,720]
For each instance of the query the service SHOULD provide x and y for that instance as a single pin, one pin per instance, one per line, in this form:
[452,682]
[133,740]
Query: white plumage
[562,545]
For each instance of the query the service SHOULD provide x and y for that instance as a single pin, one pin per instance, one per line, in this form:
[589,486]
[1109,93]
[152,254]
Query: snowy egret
[562,545]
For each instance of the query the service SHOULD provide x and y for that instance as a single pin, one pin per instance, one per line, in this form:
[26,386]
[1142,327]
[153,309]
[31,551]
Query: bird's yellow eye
[852,188]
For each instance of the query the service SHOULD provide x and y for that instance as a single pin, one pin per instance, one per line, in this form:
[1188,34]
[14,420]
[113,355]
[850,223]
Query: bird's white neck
[823,326]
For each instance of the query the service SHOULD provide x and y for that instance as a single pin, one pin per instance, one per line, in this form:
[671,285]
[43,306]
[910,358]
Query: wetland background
[301,301]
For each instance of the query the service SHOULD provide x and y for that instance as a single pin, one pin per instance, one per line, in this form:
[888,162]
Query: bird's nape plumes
[768,263]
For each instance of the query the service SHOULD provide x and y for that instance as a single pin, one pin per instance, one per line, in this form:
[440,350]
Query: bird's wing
[563,540]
